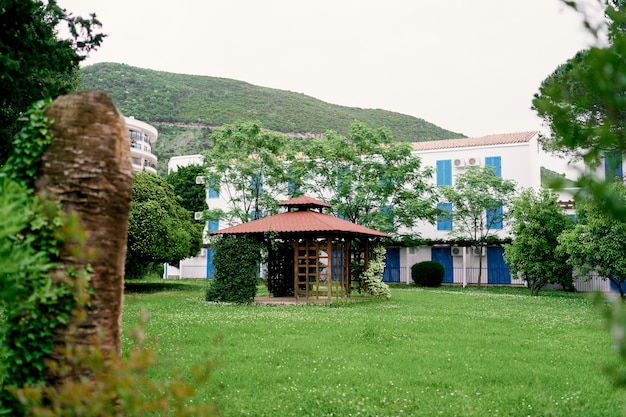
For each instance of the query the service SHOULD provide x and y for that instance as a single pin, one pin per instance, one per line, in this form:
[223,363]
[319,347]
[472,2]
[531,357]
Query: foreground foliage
[39,299]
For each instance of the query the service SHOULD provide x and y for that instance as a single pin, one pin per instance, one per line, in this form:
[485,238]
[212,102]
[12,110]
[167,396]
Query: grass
[426,352]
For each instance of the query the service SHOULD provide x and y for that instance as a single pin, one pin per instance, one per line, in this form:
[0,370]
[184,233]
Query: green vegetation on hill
[184,108]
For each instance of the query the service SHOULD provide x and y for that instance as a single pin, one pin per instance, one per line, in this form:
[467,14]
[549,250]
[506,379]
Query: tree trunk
[87,168]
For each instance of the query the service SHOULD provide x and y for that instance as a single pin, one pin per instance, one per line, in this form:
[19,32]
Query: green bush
[427,273]
[236,263]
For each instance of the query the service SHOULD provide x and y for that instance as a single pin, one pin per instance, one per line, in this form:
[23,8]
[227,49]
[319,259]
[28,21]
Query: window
[255,215]
[444,220]
[257,183]
[613,166]
[214,225]
[496,163]
[213,191]
[292,188]
[342,175]
[388,212]
[494,218]
[444,172]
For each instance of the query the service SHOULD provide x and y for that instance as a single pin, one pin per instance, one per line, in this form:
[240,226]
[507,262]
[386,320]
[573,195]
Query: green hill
[185,108]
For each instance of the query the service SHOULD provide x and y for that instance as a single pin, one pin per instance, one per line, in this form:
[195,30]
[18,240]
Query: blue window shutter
[496,163]
[213,191]
[444,221]
[444,172]
[214,225]
[255,215]
[613,166]
[342,172]
[256,183]
[388,212]
[494,218]
[292,188]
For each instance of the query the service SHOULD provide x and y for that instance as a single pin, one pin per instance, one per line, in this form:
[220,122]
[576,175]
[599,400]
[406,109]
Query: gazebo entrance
[321,268]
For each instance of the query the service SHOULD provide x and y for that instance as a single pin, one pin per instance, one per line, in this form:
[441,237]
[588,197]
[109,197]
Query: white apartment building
[513,156]
[199,266]
[142,137]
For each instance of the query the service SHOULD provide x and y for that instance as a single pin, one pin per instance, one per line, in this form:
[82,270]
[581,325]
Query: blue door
[392,265]
[444,257]
[210,268]
[497,270]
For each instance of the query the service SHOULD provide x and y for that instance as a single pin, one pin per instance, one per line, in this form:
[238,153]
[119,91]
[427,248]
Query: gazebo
[309,251]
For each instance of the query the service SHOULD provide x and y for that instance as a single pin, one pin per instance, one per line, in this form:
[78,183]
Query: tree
[479,200]
[35,62]
[369,179]
[249,164]
[582,103]
[596,243]
[159,228]
[602,76]
[537,223]
[192,195]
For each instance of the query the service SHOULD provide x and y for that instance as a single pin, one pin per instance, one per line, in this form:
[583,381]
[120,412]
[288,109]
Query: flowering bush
[373,276]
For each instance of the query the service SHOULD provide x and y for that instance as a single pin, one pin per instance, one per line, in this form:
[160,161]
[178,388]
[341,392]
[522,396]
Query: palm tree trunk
[87,168]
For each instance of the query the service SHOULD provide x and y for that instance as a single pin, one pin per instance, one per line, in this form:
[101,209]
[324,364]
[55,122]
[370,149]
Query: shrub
[427,273]
[236,263]
[373,276]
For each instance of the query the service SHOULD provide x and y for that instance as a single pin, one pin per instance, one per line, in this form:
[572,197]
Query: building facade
[142,137]
[513,156]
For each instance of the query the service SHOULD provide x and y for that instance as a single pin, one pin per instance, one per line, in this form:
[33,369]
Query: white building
[515,156]
[199,266]
[183,161]
[142,137]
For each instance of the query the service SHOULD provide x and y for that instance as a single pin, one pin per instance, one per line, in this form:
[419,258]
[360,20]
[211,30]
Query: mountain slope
[184,108]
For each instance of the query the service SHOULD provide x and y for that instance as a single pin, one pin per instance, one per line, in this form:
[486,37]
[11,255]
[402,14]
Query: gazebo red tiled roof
[302,220]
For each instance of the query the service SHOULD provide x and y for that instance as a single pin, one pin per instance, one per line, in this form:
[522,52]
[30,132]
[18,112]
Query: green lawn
[426,352]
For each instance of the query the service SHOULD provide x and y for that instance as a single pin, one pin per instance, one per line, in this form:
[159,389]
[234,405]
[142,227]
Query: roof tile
[500,139]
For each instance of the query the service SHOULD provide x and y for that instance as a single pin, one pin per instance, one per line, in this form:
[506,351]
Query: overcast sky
[470,66]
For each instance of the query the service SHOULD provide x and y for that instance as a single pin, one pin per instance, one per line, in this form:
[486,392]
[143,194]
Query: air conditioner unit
[197,215]
[458,163]
[199,180]
[456,251]
[473,162]
[478,251]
